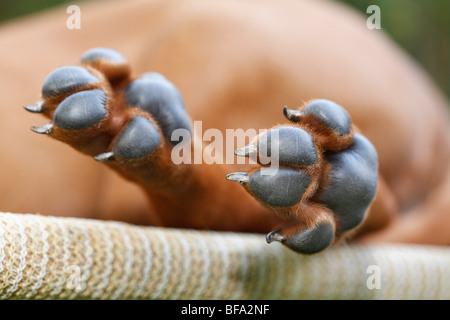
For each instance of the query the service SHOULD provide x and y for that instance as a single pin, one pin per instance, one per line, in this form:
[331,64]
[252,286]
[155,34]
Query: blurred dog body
[236,63]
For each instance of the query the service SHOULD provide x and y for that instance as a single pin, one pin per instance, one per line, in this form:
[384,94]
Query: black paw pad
[312,240]
[110,62]
[330,114]
[283,188]
[138,139]
[352,182]
[156,95]
[67,79]
[106,54]
[292,145]
[81,110]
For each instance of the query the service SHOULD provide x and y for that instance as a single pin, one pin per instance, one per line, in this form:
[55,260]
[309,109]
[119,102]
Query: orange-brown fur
[236,64]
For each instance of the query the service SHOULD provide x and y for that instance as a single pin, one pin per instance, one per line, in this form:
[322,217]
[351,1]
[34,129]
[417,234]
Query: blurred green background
[421,27]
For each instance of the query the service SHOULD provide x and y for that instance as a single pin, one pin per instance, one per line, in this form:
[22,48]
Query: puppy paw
[100,110]
[317,174]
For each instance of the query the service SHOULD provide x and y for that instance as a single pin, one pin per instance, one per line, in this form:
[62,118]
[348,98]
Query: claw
[275,236]
[45,129]
[36,107]
[246,151]
[240,177]
[292,115]
[105,157]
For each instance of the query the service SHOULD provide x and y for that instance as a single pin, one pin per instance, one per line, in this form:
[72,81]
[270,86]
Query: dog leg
[99,109]
[325,183]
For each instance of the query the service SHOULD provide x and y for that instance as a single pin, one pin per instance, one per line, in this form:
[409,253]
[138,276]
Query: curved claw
[292,115]
[45,129]
[246,151]
[275,236]
[240,177]
[105,157]
[37,107]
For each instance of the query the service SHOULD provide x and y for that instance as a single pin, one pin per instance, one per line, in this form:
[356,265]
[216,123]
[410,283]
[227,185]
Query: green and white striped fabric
[68,258]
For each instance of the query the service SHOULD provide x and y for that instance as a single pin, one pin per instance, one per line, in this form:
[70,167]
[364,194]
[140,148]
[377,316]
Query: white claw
[275,236]
[246,151]
[105,157]
[240,177]
[45,129]
[36,107]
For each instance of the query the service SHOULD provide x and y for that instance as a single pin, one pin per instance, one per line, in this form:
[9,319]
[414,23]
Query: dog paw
[317,174]
[97,108]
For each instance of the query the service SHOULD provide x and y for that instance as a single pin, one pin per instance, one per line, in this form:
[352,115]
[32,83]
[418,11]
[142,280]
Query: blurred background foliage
[421,27]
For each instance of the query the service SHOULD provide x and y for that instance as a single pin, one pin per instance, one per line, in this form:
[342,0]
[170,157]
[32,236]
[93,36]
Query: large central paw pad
[317,174]
[156,95]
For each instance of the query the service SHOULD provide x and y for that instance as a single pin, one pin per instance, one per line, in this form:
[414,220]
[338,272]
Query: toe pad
[107,54]
[284,188]
[330,114]
[66,79]
[81,110]
[138,139]
[312,240]
[292,145]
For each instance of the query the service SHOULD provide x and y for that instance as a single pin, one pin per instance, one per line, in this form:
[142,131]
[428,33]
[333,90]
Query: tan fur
[236,63]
